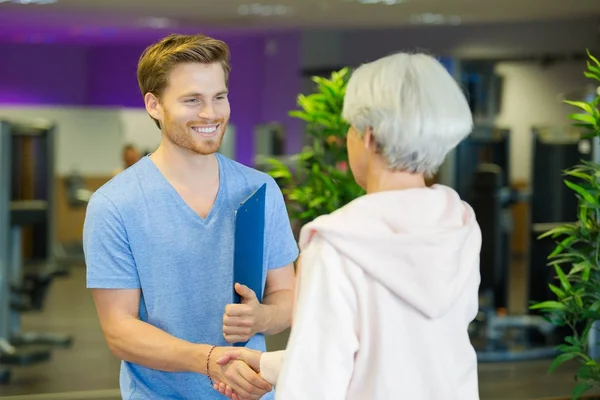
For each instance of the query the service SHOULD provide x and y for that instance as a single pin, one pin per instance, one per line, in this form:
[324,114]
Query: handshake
[236,373]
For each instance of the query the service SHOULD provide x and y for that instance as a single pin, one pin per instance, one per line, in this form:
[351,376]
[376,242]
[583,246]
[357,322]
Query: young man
[159,239]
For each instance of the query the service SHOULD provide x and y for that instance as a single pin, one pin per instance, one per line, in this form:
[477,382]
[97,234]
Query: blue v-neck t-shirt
[140,234]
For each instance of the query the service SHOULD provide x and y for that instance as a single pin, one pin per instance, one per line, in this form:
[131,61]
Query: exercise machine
[496,335]
[553,203]
[485,145]
[489,147]
[481,176]
[27,264]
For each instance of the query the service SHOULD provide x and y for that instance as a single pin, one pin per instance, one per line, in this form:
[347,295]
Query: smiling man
[158,239]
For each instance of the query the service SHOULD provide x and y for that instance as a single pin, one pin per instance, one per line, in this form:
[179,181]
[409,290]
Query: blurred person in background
[130,155]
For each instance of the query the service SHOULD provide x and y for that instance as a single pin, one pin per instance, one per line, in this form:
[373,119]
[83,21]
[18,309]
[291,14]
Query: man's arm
[113,278]
[278,300]
[133,340]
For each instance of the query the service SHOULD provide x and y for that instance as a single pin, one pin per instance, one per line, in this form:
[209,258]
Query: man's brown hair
[158,59]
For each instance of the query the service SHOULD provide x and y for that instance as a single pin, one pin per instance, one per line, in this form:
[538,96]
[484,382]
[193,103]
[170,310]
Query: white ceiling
[304,13]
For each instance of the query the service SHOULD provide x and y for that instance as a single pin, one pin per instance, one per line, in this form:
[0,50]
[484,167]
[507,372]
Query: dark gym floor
[89,371]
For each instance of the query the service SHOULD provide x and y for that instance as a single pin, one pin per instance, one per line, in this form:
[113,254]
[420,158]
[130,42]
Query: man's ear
[153,106]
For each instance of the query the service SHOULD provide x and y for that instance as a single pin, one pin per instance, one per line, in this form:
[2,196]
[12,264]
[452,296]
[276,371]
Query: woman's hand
[242,380]
[250,357]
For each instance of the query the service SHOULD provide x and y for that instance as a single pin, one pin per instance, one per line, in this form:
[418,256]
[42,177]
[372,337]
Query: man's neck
[185,168]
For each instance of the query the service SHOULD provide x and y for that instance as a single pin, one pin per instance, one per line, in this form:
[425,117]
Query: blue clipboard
[249,244]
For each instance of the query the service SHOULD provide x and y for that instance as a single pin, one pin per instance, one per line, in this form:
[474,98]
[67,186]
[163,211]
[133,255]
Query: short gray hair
[416,110]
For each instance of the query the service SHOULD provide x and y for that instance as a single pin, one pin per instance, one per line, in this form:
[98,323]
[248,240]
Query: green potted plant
[321,181]
[576,257]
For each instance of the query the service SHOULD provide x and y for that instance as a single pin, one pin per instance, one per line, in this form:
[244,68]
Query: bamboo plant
[576,257]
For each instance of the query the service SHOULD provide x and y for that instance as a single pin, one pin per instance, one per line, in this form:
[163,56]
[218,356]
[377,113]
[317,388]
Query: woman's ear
[368,139]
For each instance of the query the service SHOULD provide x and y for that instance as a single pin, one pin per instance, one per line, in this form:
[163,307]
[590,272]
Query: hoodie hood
[422,244]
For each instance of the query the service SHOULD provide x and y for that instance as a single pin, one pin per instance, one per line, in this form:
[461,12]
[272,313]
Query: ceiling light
[435,19]
[156,23]
[264,10]
[28,1]
[387,2]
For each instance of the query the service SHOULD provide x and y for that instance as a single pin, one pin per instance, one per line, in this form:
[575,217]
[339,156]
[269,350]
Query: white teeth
[204,130]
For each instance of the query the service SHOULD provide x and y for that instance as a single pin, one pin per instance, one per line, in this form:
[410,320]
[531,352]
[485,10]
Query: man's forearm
[278,309]
[143,344]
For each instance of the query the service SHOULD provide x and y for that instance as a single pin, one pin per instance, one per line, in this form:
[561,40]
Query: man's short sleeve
[281,248]
[108,257]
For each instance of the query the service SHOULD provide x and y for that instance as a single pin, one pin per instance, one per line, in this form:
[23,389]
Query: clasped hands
[235,372]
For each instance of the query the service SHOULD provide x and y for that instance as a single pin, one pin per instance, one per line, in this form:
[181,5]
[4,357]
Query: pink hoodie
[387,289]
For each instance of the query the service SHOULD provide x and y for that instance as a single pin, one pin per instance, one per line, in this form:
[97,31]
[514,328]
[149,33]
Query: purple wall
[279,80]
[39,74]
[263,87]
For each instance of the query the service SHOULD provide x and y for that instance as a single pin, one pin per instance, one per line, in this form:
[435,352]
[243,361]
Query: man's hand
[242,321]
[236,375]
[250,357]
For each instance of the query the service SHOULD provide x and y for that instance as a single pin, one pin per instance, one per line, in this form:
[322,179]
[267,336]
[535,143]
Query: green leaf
[300,114]
[580,389]
[583,217]
[306,214]
[571,340]
[561,359]
[567,229]
[591,75]
[580,174]
[580,104]
[278,174]
[583,117]
[593,69]
[562,278]
[565,244]
[585,126]
[591,57]
[585,372]
[332,91]
[317,202]
[559,293]
[589,198]
[585,267]
[550,305]
[562,260]
[595,307]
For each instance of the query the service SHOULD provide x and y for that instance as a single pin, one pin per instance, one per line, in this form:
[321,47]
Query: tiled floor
[89,371]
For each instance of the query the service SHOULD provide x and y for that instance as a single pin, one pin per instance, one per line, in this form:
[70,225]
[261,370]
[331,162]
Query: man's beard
[183,138]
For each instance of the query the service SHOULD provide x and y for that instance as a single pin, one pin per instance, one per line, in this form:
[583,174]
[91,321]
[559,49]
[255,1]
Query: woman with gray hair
[388,284]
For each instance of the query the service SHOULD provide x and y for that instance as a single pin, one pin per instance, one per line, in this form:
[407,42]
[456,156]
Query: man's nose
[208,111]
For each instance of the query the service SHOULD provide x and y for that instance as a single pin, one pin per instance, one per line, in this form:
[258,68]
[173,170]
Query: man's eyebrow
[196,94]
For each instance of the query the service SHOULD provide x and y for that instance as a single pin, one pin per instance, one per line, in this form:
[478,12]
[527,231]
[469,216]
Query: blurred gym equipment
[27,262]
[553,203]
[482,178]
[498,336]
